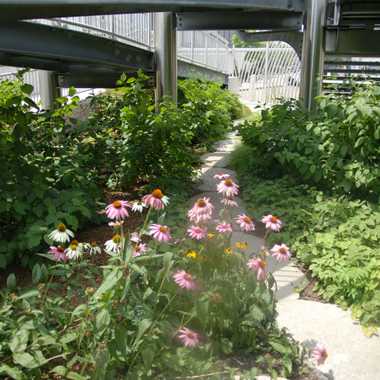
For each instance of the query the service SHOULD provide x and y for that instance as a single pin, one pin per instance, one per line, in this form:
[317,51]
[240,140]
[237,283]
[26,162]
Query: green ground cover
[320,172]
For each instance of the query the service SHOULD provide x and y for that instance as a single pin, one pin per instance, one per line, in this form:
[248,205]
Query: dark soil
[98,233]
[308,292]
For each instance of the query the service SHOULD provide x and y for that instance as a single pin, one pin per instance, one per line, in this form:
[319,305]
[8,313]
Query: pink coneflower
[272,222]
[139,249]
[156,200]
[245,223]
[184,280]
[281,252]
[224,228]
[118,210]
[259,266]
[160,232]
[135,237]
[201,211]
[58,253]
[319,354]
[188,338]
[197,233]
[228,202]
[221,176]
[228,188]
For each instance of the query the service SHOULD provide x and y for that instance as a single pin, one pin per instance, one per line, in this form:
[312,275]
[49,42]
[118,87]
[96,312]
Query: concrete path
[352,355]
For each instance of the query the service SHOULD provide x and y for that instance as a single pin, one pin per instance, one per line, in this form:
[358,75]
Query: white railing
[266,74]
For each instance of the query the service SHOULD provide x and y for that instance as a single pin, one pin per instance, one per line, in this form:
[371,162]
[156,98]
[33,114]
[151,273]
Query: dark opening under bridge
[92,45]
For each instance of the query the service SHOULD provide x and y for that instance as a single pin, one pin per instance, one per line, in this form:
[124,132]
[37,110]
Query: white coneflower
[138,206]
[92,248]
[113,246]
[74,250]
[61,234]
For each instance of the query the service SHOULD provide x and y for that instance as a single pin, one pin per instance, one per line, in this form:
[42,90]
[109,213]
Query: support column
[312,52]
[166,53]
[49,89]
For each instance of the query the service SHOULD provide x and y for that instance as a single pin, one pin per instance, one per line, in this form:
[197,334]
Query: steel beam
[49,89]
[45,47]
[312,53]
[166,55]
[190,70]
[238,20]
[291,37]
[361,42]
[28,9]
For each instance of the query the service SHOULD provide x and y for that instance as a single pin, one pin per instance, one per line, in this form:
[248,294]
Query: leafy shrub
[337,148]
[335,237]
[128,327]
[44,174]
[61,166]
[212,110]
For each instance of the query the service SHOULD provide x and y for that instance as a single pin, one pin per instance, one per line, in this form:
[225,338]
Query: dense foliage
[337,148]
[130,326]
[334,227]
[56,167]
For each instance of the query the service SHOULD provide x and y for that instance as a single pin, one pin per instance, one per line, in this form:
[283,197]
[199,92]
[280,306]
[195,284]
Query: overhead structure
[311,27]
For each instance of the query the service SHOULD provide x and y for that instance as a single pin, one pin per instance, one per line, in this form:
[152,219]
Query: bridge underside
[81,59]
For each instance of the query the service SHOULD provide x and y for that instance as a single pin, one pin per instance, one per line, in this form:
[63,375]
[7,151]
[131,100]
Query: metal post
[312,52]
[49,89]
[266,68]
[166,53]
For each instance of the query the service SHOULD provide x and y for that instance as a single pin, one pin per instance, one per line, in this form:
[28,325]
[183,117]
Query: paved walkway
[352,355]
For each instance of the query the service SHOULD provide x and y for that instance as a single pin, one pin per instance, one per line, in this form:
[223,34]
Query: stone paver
[352,355]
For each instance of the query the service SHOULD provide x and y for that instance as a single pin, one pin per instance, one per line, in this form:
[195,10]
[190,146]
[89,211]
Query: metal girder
[49,48]
[225,20]
[352,42]
[193,71]
[28,9]
[291,37]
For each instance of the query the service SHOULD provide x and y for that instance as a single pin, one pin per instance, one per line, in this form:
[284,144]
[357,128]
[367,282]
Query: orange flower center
[157,194]
[283,251]
[164,229]
[191,335]
[61,227]
[117,204]
[247,219]
[74,244]
[201,203]
[274,219]
[262,264]
[93,244]
[228,182]
[188,277]
[60,249]
[116,238]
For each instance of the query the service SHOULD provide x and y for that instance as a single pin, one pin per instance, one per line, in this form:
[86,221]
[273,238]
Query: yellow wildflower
[210,235]
[192,254]
[241,245]
[228,251]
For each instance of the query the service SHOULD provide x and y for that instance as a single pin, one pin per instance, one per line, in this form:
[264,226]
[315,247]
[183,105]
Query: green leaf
[13,372]
[110,281]
[19,341]
[103,320]
[11,281]
[36,274]
[29,294]
[279,347]
[144,325]
[25,360]
[60,370]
